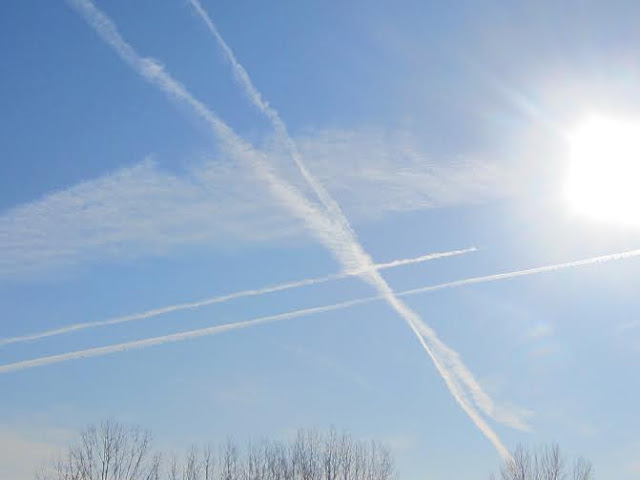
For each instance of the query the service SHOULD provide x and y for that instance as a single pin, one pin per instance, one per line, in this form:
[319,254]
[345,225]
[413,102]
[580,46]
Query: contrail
[522,273]
[321,225]
[243,78]
[99,351]
[446,360]
[223,298]
[176,337]
[331,230]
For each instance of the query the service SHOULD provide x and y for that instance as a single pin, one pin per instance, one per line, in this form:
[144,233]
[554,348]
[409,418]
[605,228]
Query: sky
[244,218]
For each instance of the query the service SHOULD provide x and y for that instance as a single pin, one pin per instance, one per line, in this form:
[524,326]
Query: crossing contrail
[329,226]
[446,360]
[222,298]
[243,78]
[153,341]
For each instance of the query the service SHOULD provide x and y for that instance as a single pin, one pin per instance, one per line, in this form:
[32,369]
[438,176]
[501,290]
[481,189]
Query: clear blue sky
[435,127]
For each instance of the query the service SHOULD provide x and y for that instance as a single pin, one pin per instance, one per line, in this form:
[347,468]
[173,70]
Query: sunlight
[605,170]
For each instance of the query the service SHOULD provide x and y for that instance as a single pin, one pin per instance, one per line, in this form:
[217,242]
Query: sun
[604,172]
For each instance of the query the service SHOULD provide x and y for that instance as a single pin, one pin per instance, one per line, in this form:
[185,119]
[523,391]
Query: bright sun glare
[604,172]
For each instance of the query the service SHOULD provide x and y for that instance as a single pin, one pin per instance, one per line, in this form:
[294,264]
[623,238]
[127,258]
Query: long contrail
[331,230]
[280,127]
[521,273]
[148,342]
[447,361]
[222,298]
[175,337]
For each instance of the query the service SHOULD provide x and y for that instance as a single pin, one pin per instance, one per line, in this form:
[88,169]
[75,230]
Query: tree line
[112,451]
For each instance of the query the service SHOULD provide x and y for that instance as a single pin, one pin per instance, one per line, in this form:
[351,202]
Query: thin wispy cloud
[139,211]
[332,230]
[222,298]
[376,172]
[144,210]
[378,161]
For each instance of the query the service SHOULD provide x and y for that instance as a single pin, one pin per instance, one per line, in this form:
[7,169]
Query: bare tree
[382,464]
[208,462]
[279,465]
[346,454]
[582,469]
[306,456]
[331,456]
[518,467]
[551,463]
[114,452]
[109,451]
[173,470]
[192,466]
[545,463]
[253,467]
[229,461]
[154,468]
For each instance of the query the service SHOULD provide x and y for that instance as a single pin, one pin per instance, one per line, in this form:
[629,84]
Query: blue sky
[433,128]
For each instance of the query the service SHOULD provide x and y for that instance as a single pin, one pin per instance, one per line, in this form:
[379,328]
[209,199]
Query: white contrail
[243,78]
[138,344]
[332,230]
[37,362]
[450,364]
[148,342]
[99,351]
[222,298]
[522,273]
[320,224]
[175,337]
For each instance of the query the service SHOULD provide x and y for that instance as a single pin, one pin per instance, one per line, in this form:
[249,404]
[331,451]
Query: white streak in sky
[144,210]
[242,76]
[322,226]
[332,230]
[222,298]
[361,301]
[176,337]
[337,306]
[447,361]
[522,273]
